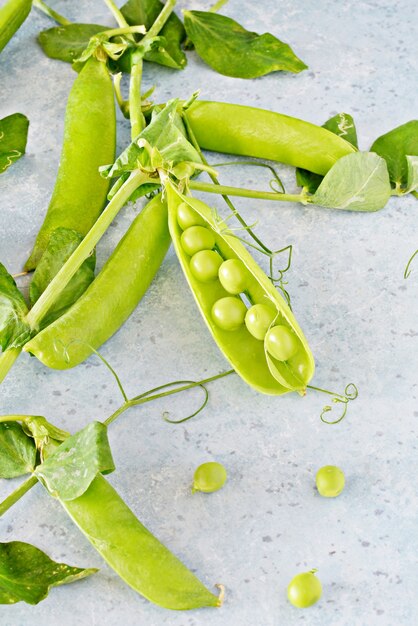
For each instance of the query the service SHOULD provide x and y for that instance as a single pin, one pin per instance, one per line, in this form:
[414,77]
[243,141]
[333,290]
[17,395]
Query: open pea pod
[254,359]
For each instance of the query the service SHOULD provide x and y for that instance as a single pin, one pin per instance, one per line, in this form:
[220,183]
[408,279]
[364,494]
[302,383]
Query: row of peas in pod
[249,320]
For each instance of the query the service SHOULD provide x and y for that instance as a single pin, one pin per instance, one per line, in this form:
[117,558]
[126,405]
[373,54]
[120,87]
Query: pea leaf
[67,43]
[168,52]
[233,51]
[14,331]
[70,470]
[357,182]
[13,138]
[27,574]
[412,178]
[17,451]
[394,146]
[163,141]
[61,244]
[342,125]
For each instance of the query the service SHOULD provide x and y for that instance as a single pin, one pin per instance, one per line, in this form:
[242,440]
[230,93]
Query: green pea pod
[243,130]
[111,297]
[133,552]
[247,354]
[89,142]
[12,16]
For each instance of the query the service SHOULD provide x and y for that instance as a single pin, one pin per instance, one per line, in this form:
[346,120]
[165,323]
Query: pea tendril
[350,393]
[408,271]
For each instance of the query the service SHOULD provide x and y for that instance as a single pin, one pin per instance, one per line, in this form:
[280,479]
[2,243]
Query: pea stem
[60,19]
[246,193]
[217,6]
[117,13]
[135,101]
[63,277]
[7,359]
[17,494]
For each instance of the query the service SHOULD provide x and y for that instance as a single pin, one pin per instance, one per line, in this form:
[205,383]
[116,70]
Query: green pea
[209,477]
[187,217]
[281,342]
[197,238]
[304,590]
[233,276]
[258,320]
[204,265]
[330,481]
[229,313]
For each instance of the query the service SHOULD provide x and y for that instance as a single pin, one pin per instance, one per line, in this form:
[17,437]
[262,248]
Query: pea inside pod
[231,321]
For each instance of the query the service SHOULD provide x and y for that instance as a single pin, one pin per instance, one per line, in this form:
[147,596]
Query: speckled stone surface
[349,295]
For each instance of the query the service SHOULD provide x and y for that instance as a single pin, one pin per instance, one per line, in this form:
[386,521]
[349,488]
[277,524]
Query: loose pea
[258,320]
[330,481]
[281,342]
[229,313]
[204,265]
[197,238]
[233,276]
[187,217]
[304,590]
[209,477]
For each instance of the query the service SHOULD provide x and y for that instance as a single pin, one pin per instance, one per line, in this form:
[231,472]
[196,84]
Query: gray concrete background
[349,296]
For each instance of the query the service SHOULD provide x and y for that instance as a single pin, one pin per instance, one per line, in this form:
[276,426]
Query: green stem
[63,277]
[161,20]
[60,19]
[124,30]
[246,193]
[17,494]
[117,14]
[135,101]
[6,361]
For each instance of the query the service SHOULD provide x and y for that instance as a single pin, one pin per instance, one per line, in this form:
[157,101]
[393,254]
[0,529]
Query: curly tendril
[350,393]
[408,271]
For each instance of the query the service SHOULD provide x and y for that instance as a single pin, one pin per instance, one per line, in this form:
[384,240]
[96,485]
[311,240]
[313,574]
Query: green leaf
[394,146]
[61,244]
[13,138]
[342,125]
[70,470]
[357,182]
[67,43]
[168,52]
[412,178]
[17,451]
[162,142]
[233,51]
[14,331]
[27,574]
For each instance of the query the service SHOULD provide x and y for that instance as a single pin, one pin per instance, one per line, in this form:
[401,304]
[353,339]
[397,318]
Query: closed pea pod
[111,297]
[133,552]
[12,16]
[248,131]
[89,141]
[224,314]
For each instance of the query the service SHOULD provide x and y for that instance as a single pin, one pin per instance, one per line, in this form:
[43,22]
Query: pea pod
[111,297]
[133,552]
[272,369]
[244,130]
[89,142]
[12,16]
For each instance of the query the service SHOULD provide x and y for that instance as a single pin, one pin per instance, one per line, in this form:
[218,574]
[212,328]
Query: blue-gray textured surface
[349,295]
